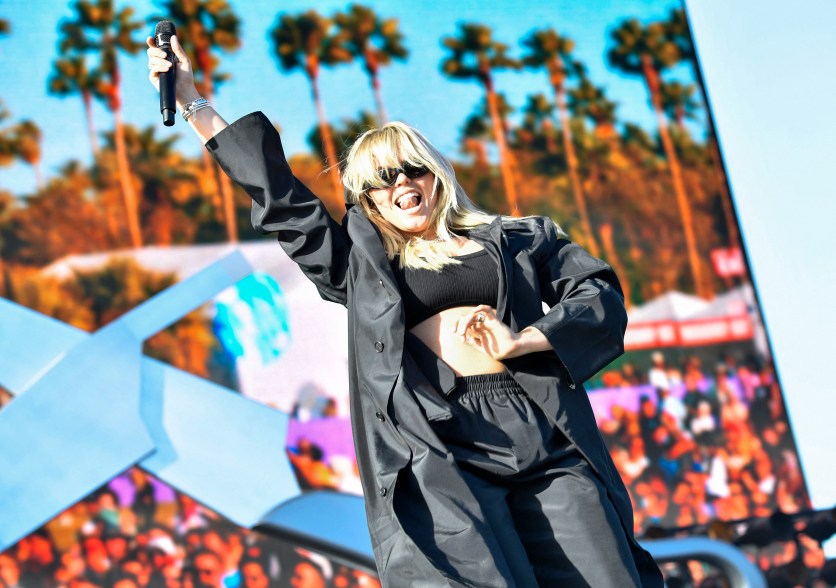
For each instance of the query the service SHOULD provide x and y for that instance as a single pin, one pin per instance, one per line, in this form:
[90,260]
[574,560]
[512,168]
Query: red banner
[687,333]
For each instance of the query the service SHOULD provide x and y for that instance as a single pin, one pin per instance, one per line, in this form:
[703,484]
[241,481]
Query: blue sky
[414,91]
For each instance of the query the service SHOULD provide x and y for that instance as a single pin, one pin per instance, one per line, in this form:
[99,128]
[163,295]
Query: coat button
[383,491]
[380,416]
[378,346]
[380,282]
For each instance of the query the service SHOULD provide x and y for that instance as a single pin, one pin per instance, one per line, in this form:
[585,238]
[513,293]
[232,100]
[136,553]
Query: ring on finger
[480,318]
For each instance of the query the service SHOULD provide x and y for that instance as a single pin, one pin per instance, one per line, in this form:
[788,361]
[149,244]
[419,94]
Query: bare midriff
[436,332]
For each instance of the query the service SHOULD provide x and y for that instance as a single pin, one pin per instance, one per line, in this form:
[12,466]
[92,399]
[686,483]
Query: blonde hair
[392,145]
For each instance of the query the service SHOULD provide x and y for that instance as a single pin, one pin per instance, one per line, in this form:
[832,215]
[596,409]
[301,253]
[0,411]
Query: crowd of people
[100,543]
[703,445]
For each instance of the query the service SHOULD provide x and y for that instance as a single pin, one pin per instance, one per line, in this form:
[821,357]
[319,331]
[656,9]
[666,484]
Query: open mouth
[408,201]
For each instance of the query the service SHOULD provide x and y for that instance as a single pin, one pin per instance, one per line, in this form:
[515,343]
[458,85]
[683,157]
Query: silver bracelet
[193,106]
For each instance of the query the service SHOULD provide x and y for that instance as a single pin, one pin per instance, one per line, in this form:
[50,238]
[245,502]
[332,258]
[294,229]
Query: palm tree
[28,148]
[99,27]
[549,50]
[168,182]
[475,132]
[537,118]
[680,33]
[647,51]
[71,76]
[21,141]
[306,42]
[343,136]
[204,26]
[590,101]
[678,102]
[374,41]
[474,55]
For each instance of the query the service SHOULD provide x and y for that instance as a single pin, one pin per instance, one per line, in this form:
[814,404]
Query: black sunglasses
[389,175]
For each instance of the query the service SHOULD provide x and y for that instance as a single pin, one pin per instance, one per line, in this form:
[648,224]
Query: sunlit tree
[79,228]
[475,55]
[307,41]
[647,51]
[27,141]
[205,27]
[552,52]
[96,26]
[168,182]
[373,41]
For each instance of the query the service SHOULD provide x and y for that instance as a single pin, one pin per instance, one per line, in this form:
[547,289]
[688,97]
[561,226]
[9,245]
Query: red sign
[686,333]
[728,262]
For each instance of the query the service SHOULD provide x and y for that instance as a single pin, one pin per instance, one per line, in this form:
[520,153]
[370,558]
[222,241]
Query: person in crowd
[657,376]
[209,569]
[307,574]
[9,571]
[254,573]
[438,289]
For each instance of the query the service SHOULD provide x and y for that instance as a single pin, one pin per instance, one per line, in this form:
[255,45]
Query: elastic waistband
[481,384]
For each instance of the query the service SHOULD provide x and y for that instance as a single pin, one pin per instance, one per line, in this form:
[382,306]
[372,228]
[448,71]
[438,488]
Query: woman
[478,451]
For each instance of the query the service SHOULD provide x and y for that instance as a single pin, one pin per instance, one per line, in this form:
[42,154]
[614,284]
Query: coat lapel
[366,238]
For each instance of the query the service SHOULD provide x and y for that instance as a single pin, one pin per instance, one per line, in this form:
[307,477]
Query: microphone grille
[164,30]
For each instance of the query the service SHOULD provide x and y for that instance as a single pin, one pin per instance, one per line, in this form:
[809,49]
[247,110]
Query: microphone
[162,38]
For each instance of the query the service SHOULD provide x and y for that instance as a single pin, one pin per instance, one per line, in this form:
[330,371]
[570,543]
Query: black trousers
[554,520]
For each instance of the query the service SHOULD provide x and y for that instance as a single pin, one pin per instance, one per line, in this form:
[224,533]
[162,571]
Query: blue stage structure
[87,407]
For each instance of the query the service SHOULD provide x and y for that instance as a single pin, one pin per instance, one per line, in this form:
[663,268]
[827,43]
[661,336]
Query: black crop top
[425,293]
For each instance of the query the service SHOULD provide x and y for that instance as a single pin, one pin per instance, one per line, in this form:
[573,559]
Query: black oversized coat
[392,400]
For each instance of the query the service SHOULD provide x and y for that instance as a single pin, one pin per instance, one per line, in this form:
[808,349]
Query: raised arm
[206,123]
[250,153]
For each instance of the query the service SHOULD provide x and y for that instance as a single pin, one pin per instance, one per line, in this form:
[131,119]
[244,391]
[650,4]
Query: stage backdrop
[591,113]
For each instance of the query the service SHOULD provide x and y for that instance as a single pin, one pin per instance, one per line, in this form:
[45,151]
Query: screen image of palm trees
[307,41]
[553,53]
[647,51]
[474,55]
[374,42]
[97,27]
[205,28]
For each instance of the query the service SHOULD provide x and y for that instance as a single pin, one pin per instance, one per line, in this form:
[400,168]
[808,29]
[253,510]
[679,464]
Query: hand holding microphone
[174,81]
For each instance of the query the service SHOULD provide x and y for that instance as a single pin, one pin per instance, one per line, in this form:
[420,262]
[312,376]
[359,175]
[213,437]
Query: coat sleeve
[586,320]
[250,152]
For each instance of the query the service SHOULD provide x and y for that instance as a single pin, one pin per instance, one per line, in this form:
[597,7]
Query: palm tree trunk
[336,201]
[652,80]
[222,181]
[571,158]
[163,222]
[125,180]
[378,99]
[91,129]
[505,164]
[615,262]
[371,70]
